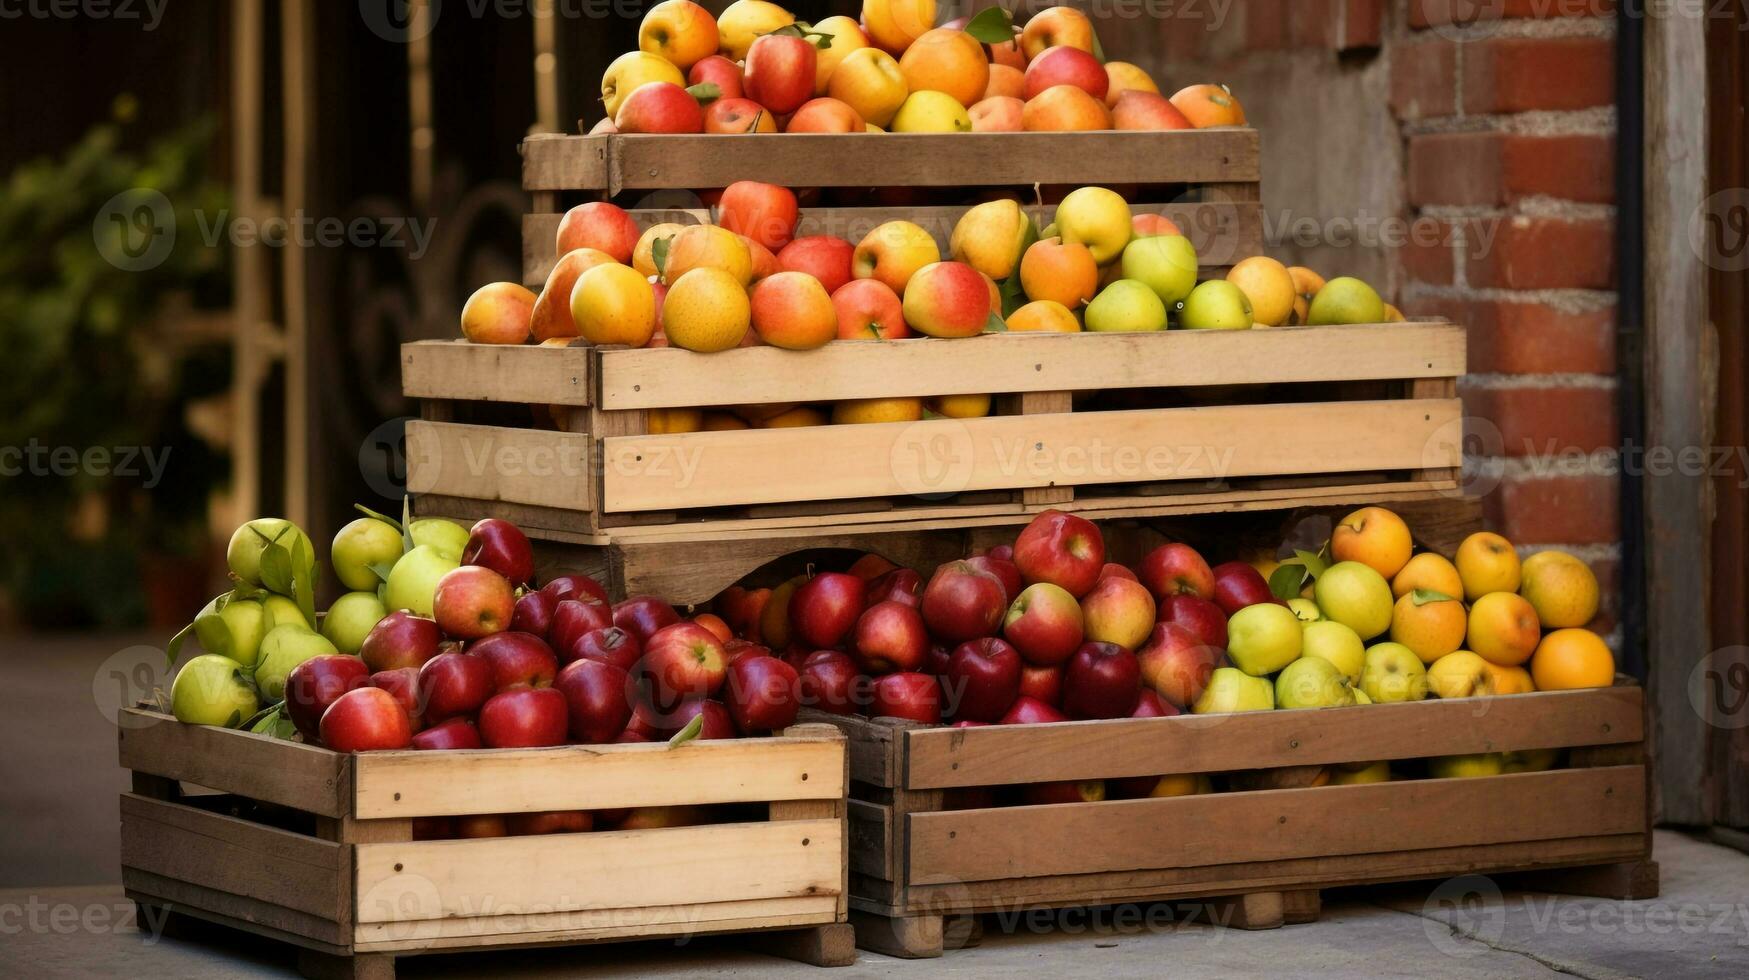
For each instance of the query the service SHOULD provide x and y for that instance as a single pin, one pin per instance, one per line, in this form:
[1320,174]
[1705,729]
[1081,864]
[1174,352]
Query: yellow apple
[869,81]
[1504,628]
[1098,218]
[1561,588]
[1460,674]
[1377,772]
[1487,563]
[992,237]
[892,253]
[1374,537]
[1431,572]
[928,111]
[961,406]
[1055,26]
[1121,77]
[1189,784]
[893,24]
[847,36]
[744,20]
[1356,596]
[613,304]
[1465,766]
[1430,623]
[1393,673]
[1332,641]
[709,247]
[1510,680]
[679,30]
[862,410]
[630,70]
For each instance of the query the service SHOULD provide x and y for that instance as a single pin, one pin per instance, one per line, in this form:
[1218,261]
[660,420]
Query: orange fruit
[1570,659]
[1043,316]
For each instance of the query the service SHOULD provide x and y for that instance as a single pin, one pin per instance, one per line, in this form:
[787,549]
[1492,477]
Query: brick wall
[1459,155]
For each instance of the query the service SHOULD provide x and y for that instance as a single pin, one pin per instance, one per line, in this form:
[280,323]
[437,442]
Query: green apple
[233,630]
[1263,638]
[360,545]
[1126,306]
[1332,641]
[446,537]
[284,648]
[1465,766]
[1393,673]
[350,618]
[211,690]
[1530,760]
[1164,263]
[1376,772]
[1216,305]
[1313,682]
[1345,300]
[1231,689]
[243,555]
[413,580]
[1306,610]
[1355,596]
[281,611]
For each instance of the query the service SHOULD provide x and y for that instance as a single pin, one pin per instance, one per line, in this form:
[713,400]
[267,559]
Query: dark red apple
[517,660]
[914,697]
[433,828]
[548,822]
[762,694]
[534,613]
[740,608]
[400,639]
[735,649]
[598,700]
[1044,684]
[1177,664]
[1149,705]
[453,685]
[1030,711]
[629,737]
[717,722]
[1045,794]
[827,681]
[684,660]
[403,683]
[1200,616]
[314,684]
[366,719]
[574,617]
[574,586]
[643,615]
[963,602]
[1003,569]
[1113,570]
[1044,624]
[523,718]
[935,661]
[647,722]
[1176,569]
[1005,552]
[473,601]
[823,611]
[890,637]
[502,547]
[982,680]
[1238,585]
[610,645]
[477,825]
[899,585]
[456,733]
[1101,681]
[1062,549]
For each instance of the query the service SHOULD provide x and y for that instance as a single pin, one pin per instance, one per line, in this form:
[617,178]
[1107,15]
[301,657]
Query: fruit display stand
[316,848]
[1269,844]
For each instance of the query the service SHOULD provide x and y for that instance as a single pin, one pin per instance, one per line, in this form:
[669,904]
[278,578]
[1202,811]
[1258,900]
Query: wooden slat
[974,845]
[616,869]
[578,777]
[262,768]
[488,462]
[890,159]
[263,918]
[595,925]
[871,745]
[871,840]
[1004,754]
[709,469]
[463,371]
[1026,362]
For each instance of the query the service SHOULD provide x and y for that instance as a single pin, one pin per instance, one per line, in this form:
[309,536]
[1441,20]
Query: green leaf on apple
[1422,597]
[276,568]
[1013,297]
[1098,49]
[930,416]
[1314,562]
[406,524]
[174,649]
[381,570]
[386,519]
[659,254]
[706,92]
[992,25]
[995,324]
[687,734]
[1286,582]
[803,29]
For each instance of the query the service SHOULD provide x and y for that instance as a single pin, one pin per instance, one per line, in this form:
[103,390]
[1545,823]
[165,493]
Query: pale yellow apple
[1355,595]
[1465,766]
[1188,784]
[1460,674]
[1487,563]
[744,20]
[1561,588]
[893,252]
[1121,77]
[928,111]
[961,406]
[630,70]
[1377,772]
[865,410]
[1530,760]
[1393,673]
[893,24]
[847,36]
[679,30]
[1430,572]
[991,238]
[1332,641]
[1097,218]
[869,81]
[1510,680]
[1307,610]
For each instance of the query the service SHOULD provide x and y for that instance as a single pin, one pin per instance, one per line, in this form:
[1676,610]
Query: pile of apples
[756,69]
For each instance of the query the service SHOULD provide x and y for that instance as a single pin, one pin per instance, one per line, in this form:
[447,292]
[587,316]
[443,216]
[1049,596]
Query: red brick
[1541,253]
[1314,21]
[1455,169]
[1430,256]
[1530,338]
[1491,169]
[1430,13]
[1266,25]
[1546,422]
[1362,27]
[1522,74]
[1577,510]
[1424,79]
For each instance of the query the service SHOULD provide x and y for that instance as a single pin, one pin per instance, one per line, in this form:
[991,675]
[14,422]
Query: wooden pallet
[317,848]
[1266,847]
[1208,181]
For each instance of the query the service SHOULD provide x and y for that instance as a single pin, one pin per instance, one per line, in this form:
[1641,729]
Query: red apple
[403,683]
[762,694]
[935,661]
[598,700]
[433,828]
[763,213]
[901,585]
[1030,711]
[647,723]
[1113,570]
[963,603]
[1177,664]
[659,107]
[717,70]
[1004,552]
[454,685]
[548,822]
[890,637]
[780,72]
[523,718]
[473,826]
[629,737]
[1042,684]
[982,680]
[1149,705]
[1101,681]
[599,225]
[1238,585]
[1136,109]
[366,719]
[1046,794]
[734,649]
[314,684]
[610,645]
[717,722]
[534,613]
[574,617]
[825,609]
[473,601]
[740,608]
[574,586]
[827,681]
[1003,569]
[1198,615]
[643,615]
[825,257]
[684,660]
[1175,569]
[517,660]
[914,697]
[456,733]
[1061,549]
[868,309]
[502,547]
[1044,624]
[1063,65]
[1119,611]
[400,639]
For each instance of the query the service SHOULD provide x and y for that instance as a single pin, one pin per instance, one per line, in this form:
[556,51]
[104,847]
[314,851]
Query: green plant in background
[100,372]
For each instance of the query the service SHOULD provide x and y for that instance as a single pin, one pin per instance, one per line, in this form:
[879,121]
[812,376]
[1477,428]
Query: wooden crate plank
[488,462]
[871,840]
[595,925]
[463,371]
[272,770]
[263,918]
[973,845]
[710,469]
[1022,362]
[579,777]
[1001,755]
[891,159]
[398,882]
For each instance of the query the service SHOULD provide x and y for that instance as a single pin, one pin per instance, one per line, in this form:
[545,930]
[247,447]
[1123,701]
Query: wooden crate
[1266,848]
[1207,181]
[316,848]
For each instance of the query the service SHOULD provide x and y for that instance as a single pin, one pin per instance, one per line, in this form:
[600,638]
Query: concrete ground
[62,915]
